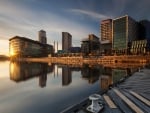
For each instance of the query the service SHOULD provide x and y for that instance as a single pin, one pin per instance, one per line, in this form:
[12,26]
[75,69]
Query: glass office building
[125,30]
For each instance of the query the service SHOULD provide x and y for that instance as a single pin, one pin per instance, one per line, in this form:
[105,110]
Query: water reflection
[91,73]
[64,85]
[66,75]
[107,75]
[111,75]
[22,71]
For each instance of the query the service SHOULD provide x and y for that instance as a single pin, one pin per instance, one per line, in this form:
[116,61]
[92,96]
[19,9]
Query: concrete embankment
[91,60]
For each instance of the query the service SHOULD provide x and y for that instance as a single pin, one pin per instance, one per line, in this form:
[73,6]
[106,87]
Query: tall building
[42,36]
[106,36]
[145,28]
[144,31]
[106,30]
[125,30]
[90,44]
[66,41]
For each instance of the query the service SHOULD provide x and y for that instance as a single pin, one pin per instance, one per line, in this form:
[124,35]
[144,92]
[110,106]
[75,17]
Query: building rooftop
[106,21]
[42,30]
[27,39]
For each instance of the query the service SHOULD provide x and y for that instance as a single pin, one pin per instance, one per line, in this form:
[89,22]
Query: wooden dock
[109,101]
[131,96]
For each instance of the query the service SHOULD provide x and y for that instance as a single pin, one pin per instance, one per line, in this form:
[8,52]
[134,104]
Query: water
[49,88]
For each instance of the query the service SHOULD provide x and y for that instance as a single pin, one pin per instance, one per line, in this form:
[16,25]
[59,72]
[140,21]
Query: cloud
[118,6]
[22,20]
[4,47]
[89,13]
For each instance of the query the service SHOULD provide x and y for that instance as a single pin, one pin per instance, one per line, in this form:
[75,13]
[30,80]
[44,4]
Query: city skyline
[26,17]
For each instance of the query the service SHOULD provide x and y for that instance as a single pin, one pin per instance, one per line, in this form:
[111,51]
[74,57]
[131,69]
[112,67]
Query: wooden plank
[147,102]
[109,102]
[128,102]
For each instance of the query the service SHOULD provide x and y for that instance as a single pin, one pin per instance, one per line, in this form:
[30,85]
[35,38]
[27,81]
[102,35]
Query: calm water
[49,88]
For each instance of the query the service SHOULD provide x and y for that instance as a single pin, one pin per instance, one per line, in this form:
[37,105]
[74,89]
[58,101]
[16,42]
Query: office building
[138,47]
[144,31]
[42,37]
[106,30]
[90,45]
[66,41]
[75,49]
[24,47]
[125,30]
[106,37]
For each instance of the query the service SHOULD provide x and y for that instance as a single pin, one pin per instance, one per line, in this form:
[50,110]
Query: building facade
[138,47]
[125,30]
[145,28]
[90,45]
[42,37]
[66,41]
[75,50]
[144,31]
[24,47]
[106,30]
[106,37]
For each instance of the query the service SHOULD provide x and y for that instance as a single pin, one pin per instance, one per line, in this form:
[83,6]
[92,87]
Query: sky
[78,17]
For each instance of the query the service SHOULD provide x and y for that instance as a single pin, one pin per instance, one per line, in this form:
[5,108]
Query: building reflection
[110,76]
[67,71]
[66,75]
[90,73]
[117,74]
[22,71]
[105,78]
